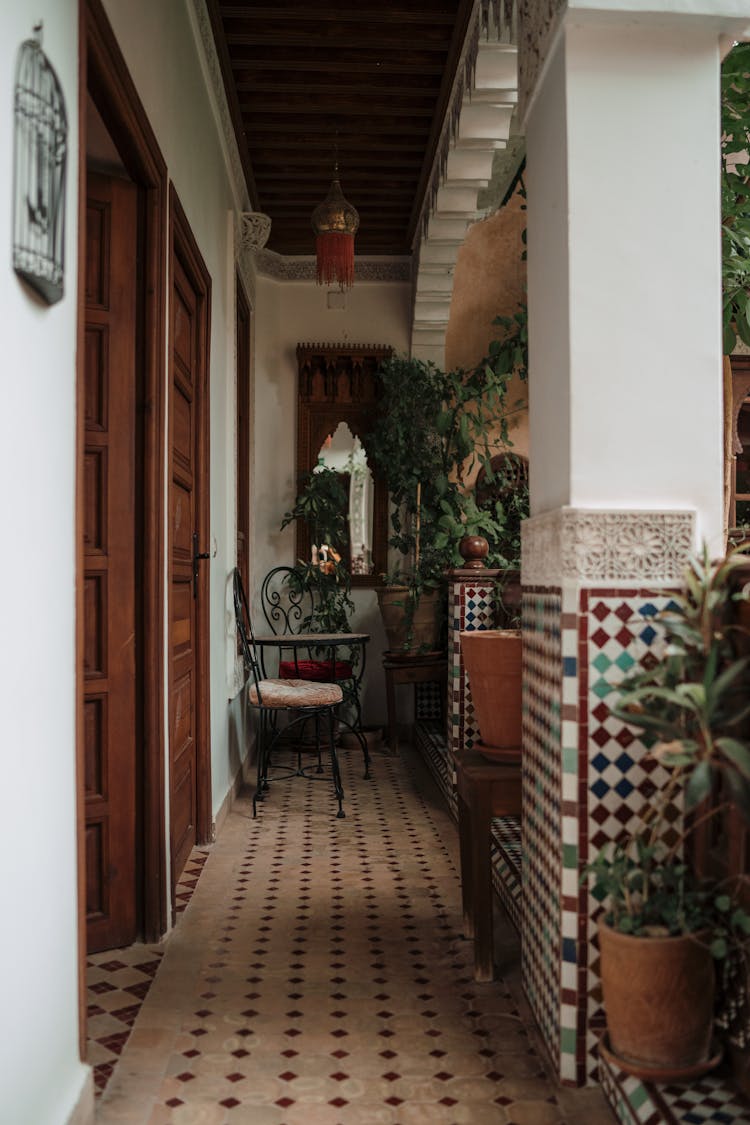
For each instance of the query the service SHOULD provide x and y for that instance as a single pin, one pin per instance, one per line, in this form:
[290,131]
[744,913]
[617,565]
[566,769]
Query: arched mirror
[345,454]
[337,402]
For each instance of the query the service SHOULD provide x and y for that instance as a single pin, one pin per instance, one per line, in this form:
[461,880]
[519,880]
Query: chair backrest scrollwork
[285,609]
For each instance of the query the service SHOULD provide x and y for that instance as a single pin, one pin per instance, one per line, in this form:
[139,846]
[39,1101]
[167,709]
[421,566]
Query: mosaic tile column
[593,584]
[472,604]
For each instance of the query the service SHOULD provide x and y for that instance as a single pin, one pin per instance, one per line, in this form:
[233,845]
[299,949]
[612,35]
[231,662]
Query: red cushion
[318,670]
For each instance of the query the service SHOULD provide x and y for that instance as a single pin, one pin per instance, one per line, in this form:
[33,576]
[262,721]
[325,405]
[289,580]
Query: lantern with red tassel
[335,223]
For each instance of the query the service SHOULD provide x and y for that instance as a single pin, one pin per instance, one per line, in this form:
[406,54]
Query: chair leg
[338,787]
[318,743]
[351,695]
[262,778]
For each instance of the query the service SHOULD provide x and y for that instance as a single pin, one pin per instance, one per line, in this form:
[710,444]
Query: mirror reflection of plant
[323,505]
[692,710]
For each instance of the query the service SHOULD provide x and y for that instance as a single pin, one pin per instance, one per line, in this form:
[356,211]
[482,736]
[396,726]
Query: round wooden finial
[474,550]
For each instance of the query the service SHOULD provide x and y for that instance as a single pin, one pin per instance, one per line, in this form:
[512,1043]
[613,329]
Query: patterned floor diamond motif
[542,819]
[189,878]
[118,982]
[708,1101]
[320,977]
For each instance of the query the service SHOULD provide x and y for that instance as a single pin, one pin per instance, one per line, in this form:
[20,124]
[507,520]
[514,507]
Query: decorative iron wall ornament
[40,161]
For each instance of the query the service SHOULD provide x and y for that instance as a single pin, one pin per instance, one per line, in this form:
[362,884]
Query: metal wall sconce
[40,165]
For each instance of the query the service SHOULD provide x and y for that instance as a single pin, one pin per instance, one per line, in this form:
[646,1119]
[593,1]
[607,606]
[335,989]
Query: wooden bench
[486,790]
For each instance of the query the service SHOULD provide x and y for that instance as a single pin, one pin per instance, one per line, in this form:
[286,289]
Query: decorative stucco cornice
[302,268]
[603,547]
[255,228]
[215,82]
[538,22]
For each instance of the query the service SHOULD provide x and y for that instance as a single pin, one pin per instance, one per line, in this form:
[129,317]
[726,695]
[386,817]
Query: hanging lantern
[335,223]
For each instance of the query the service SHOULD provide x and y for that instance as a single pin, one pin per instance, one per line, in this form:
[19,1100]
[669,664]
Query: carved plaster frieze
[604,547]
[213,67]
[538,21]
[255,227]
[281,267]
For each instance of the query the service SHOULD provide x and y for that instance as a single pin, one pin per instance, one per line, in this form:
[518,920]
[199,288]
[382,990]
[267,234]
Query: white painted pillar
[624,283]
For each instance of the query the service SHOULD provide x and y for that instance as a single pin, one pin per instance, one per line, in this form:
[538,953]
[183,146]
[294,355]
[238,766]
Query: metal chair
[303,701]
[289,611]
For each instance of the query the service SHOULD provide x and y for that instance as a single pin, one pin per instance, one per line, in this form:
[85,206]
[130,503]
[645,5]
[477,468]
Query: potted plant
[432,429]
[661,928]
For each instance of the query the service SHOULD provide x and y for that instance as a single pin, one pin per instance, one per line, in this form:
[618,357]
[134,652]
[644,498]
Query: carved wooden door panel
[243,435]
[109,705]
[188,534]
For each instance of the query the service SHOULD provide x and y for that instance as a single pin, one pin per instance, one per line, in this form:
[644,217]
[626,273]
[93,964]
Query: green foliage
[434,430]
[323,504]
[735,195]
[691,709]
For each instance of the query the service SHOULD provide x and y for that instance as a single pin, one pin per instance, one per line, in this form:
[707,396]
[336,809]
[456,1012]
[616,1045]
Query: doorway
[189,550]
[120,592]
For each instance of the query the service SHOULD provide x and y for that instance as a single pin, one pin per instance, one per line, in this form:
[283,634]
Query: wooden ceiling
[372,78]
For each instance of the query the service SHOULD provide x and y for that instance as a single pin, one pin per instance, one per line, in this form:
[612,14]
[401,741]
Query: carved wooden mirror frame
[338,383]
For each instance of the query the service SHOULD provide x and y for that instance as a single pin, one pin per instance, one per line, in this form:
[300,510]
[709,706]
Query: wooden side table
[420,670]
[485,790]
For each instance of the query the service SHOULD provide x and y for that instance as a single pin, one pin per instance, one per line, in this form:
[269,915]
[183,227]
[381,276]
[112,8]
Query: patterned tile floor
[118,982]
[319,976]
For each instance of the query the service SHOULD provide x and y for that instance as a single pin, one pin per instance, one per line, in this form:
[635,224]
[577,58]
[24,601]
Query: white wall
[288,313]
[624,272]
[159,46]
[41,1077]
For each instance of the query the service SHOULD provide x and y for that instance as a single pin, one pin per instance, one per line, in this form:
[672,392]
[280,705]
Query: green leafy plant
[323,504]
[691,708]
[434,430]
[735,195]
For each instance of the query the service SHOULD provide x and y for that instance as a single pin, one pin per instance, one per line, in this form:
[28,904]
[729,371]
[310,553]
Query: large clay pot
[658,997]
[425,626]
[492,658]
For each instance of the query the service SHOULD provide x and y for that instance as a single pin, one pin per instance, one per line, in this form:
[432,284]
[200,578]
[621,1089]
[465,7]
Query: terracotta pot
[659,998]
[492,658]
[425,626]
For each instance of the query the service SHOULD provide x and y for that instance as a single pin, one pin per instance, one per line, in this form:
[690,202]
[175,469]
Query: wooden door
[189,796]
[109,626]
[243,435]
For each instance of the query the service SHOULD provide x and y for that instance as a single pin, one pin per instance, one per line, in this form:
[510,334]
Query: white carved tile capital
[255,228]
[593,547]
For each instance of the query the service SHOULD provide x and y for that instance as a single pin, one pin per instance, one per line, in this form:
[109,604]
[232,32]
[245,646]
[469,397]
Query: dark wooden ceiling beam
[397,172]
[357,143]
[406,63]
[430,39]
[326,133]
[265,83]
[346,14]
[301,105]
[372,79]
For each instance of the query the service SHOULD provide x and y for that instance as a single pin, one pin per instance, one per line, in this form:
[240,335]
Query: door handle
[197,556]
